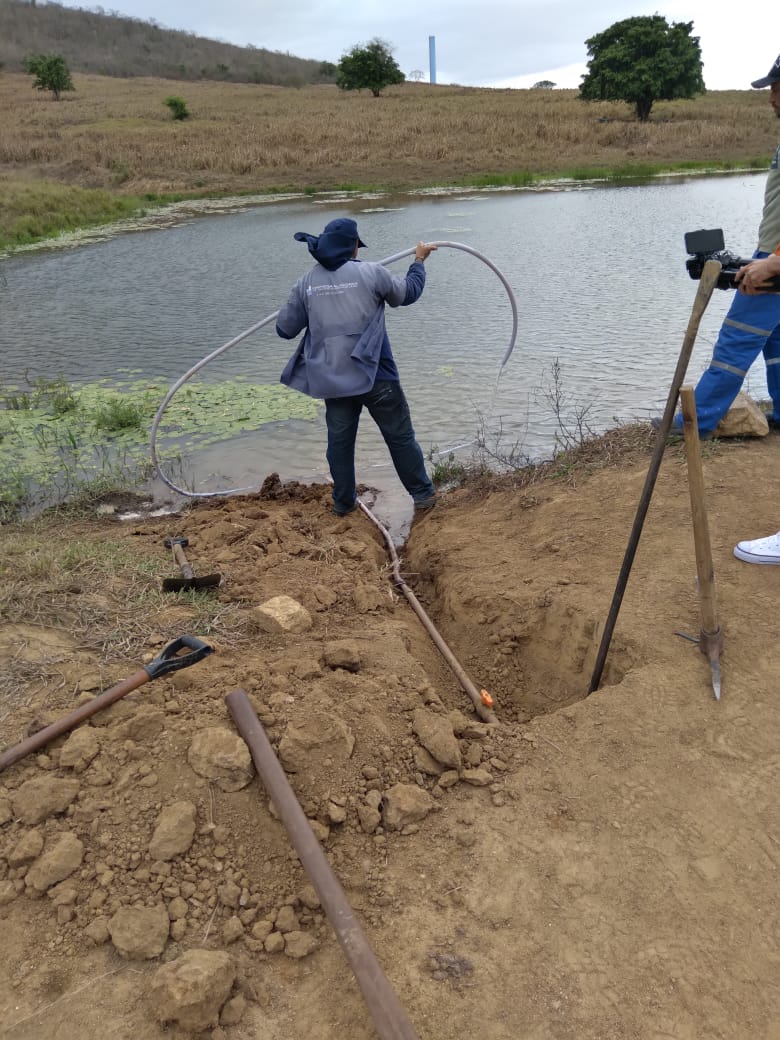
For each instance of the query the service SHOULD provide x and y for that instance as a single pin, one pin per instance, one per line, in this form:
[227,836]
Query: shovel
[170,660]
[188,579]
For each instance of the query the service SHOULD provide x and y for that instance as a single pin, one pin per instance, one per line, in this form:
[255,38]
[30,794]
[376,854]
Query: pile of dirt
[588,867]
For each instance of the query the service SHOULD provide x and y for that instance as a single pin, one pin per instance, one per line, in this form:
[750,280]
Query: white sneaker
[760,550]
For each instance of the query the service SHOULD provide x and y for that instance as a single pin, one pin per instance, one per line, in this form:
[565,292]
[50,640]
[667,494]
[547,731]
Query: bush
[178,107]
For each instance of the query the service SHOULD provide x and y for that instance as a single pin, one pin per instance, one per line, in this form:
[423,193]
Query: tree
[371,66]
[543,84]
[641,60]
[51,73]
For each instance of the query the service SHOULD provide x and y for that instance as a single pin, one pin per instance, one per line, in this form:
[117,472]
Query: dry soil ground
[592,867]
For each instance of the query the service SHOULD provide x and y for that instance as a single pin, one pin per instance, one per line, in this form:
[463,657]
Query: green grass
[43,209]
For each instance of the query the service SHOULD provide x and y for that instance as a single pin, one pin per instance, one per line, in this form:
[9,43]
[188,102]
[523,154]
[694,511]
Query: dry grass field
[117,136]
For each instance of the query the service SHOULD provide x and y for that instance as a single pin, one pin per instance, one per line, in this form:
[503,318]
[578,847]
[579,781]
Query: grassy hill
[112,45]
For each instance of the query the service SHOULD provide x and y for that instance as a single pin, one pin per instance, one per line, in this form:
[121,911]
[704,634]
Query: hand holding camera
[708,245]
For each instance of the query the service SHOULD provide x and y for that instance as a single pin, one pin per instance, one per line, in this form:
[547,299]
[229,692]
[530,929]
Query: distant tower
[432,57]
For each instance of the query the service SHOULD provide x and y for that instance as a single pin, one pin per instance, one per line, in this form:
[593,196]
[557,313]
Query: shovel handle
[166,662]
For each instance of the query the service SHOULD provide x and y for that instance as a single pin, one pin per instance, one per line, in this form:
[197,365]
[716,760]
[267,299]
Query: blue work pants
[751,327]
[389,409]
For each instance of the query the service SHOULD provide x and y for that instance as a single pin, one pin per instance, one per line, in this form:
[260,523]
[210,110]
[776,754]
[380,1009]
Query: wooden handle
[701,532]
[181,559]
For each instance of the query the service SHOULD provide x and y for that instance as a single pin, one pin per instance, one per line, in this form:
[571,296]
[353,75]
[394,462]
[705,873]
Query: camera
[708,245]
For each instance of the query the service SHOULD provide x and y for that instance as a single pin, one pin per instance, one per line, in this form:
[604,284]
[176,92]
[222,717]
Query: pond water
[598,273]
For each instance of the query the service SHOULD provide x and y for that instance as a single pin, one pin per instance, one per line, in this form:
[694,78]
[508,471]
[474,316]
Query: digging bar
[707,283]
[389,1016]
[188,579]
[711,636]
[168,661]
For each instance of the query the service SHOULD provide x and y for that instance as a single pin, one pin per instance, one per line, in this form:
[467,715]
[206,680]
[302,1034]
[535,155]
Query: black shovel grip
[168,661]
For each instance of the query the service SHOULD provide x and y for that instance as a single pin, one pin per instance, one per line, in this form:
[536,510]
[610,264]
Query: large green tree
[641,60]
[51,73]
[370,66]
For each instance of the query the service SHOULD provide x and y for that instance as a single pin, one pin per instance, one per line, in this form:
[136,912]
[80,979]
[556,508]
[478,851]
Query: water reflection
[598,273]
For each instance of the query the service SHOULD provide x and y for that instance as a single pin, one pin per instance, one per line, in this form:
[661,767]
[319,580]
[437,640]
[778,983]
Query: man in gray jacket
[345,356]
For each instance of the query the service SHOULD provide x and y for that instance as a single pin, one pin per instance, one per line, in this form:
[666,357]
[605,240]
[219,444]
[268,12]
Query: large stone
[27,848]
[57,862]
[317,734]
[404,804]
[282,614]
[192,989]
[743,419]
[79,749]
[222,756]
[140,933]
[437,736]
[42,797]
[174,831]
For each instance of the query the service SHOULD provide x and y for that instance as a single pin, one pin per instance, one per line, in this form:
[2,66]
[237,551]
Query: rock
[233,1011]
[7,892]
[477,777]
[222,756]
[274,943]
[42,797]
[261,930]
[323,596]
[177,909]
[6,813]
[139,933]
[309,898]
[27,848]
[367,598]
[192,990]
[437,736]
[287,920]
[344,655]
[404,804]
[146,723]
[229,894]
[57,862]
[299,944]
[232,930]
[79,749]
[174,831]
[743,419]
[97,931]
[424,762]
[369,818]
[315,733]
[282,614]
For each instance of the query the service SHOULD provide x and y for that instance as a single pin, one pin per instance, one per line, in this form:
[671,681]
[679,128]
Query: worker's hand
[753,278]
[424,250]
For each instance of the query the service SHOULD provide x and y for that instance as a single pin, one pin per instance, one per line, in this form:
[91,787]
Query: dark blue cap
[335,245]
[773,76]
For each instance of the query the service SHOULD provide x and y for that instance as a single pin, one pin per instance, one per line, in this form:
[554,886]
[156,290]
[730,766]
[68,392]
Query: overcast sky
[496,43]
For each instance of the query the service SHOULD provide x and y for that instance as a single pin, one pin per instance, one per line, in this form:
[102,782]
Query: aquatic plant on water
[55,439]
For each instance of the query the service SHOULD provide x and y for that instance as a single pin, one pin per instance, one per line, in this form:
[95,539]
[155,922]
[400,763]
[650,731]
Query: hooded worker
[345,357]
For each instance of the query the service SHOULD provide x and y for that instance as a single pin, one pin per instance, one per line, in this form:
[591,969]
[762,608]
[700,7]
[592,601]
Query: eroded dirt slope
[598,866]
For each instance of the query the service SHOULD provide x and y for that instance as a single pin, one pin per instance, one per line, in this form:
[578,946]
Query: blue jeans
[751,327]
[388,407]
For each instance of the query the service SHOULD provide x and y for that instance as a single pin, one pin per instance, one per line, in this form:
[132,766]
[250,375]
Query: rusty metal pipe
[390,1018]
[479,698]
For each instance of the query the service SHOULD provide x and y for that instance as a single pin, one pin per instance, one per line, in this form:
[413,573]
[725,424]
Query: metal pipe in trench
[481,699]
[390,1018]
